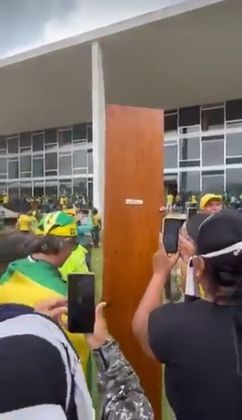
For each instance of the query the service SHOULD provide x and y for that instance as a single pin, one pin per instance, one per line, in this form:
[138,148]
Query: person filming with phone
[54,387]
[200,342]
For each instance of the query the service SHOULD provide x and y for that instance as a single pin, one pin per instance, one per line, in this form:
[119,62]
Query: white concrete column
[98,124]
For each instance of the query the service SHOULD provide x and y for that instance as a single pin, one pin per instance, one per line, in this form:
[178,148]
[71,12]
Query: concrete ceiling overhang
[178,56]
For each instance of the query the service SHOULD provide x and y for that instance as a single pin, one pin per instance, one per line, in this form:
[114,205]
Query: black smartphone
[81,303]
[171,228]
[191,211]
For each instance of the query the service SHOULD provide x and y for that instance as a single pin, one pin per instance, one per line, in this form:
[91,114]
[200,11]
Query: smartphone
[191,211]
[81,303]
[171,229]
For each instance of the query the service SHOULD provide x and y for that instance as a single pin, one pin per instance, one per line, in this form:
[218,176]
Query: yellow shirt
[96,219]
[62,201]
[193,199]
[25,223]
[76,263]
[169,199]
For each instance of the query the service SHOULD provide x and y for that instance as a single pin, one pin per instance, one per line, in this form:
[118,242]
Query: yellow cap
[71,212]
[57,224]
[209,197]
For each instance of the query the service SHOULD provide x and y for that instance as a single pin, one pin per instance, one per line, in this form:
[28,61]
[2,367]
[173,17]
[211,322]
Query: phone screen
[191,211]
[171,234]
[81,303]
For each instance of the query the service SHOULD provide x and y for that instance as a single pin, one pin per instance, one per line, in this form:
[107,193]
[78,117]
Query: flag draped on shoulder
[28,281]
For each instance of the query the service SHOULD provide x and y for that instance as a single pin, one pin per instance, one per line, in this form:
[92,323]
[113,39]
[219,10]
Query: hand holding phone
[171,229]
[100,334]
[81,303]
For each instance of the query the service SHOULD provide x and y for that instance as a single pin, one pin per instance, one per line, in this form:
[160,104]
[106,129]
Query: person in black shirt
[200,342]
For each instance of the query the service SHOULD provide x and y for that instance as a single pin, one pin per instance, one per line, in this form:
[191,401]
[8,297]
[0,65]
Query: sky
[26,24]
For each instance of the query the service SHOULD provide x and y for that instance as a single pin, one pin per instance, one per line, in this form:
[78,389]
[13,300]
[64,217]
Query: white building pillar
[98,124]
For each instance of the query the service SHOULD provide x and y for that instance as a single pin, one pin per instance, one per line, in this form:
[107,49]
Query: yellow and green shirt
[28,281]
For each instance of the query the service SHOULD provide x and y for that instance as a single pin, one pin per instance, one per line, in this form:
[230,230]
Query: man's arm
[153,296]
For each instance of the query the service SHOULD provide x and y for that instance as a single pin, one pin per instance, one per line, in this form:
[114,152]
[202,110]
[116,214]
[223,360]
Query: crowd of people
[198,339]
[89,225]
[180,202]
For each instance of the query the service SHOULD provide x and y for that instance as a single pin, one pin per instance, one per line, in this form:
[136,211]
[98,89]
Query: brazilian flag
[28,281]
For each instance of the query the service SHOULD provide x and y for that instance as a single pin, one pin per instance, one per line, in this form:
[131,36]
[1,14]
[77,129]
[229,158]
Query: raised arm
[122,394]
[153,296]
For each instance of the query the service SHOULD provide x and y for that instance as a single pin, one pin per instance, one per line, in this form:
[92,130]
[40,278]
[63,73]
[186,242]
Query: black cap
[219,231]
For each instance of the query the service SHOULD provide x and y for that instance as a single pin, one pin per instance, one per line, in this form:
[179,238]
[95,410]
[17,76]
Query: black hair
[47,245]
[84,211]
[94,211]
[193,225]
[226,272]
[13,246]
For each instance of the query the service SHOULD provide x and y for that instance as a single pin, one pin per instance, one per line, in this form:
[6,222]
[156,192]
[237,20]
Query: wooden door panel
[133,170]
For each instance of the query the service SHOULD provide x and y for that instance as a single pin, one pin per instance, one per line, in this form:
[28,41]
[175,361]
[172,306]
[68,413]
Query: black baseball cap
[219,231]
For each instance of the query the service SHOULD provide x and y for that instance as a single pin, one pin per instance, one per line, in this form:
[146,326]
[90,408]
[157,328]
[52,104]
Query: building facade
[48,162]
[203,153]
[203,148]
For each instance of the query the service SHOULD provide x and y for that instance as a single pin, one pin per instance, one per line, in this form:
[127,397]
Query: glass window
[80,133]
[233,160]
[65,187]
[13,192]
[190,181]
[38,189]
[3,188]
[38,167]
[194,129]
[51,187]
[79,158]
[212,119]
[26,190]
[79,171]
[25,163]
[190,148]
[3,145]
[170,182]
[234,144]
[89,133]
[170,156]
[234,124]
[64,138]
[80,186]
[50,161]
[50,136]
[50,139]
[90,191]
[212,150]
[13,145]
[213,183]
[233,180]
[234,110]
[65,165]
[38,142]
[25,142]
[171,124]
[3,165]
[13,169]
[189,116]
[90,161]
[189,163]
